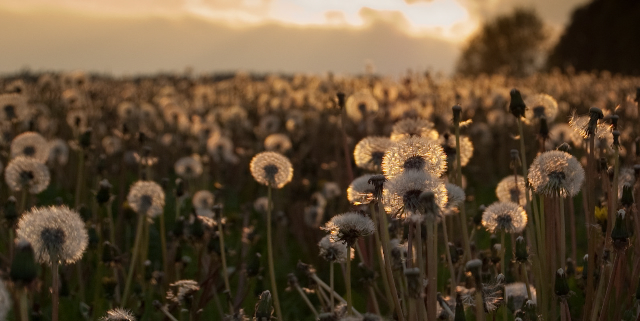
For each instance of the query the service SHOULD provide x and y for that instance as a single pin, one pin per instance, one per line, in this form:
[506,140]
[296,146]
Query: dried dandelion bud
[517,106]
[23,267]
[264,308]
[561,286]
[104,192]
[457,111]
[522,252]
[620,234]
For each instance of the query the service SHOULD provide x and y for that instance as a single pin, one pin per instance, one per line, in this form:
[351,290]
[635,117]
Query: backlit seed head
[146,198]
[369,152]
[348,227]
[556,173]
[504,216]
[55,233]
[414,154]
[27,173]
[271,169]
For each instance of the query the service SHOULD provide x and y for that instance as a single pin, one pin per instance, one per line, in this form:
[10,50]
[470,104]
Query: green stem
[503,266]
[134,256]
[223,257]
[452,271]
[163,244]
[432,260]
[563,236]
[79,178]
[525,276]
[331,277]
[24,304]
[385,281]
[272,273]
[384,227]
[55,297]
[306,300]
[348,280]
[463,214]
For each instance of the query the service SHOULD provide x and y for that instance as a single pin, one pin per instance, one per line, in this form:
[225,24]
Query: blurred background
[122,37]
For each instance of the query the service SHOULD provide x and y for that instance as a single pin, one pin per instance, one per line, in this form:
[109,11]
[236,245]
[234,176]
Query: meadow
[305,197]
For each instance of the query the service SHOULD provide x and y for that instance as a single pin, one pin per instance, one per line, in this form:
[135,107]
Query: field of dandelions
[245,197]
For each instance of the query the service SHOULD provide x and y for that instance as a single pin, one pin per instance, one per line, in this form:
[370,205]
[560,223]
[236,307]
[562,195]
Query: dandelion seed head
[271,169]
[369,152]
[348,227]
[203,199]
[279,143]
[55,233]
[512,189]
[402,193]
[30,144]
[541,105]
[411,127]
[504,216]
[14,106]
[27,173]
[334,252]
[182,290]
[360,191]
[414,154]
[146,198]
[360,104]
[118,314]
[188,167]
[517,293]
[556,173]
[448,143]
[580,125]
[221,149]
[455,195]
[58,151]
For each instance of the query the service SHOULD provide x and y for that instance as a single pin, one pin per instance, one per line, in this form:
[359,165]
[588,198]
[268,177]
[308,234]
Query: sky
[127,37]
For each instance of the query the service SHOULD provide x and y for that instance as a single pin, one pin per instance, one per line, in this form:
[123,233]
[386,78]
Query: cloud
[66,41]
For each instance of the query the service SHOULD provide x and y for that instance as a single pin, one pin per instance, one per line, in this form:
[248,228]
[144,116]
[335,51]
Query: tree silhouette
[511,44]
[602,35]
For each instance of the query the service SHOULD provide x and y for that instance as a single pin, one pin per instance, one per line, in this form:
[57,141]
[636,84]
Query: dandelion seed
[369,152]
[504,216]
[56,233]
[27,173]
[512,189]
[32,145]
[360,104]
[491,295]
[402,193]
[407,128]
[334,252]
[188,167]
[414,154]
[556,173]
[360,191]
[541,105]
[348,227]
[118,314]
[146,198]
[271,169]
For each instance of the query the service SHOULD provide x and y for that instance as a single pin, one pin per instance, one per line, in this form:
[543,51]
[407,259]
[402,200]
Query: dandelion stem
[503,266]
[134,256]
[612,277]
[432,260]
[163,244]
[598,299]
[588,304]
[79,178]
[54,289]
[24,304]
[348,280]
[445,233]
[463,214]
[306,300]
[272,272]
[525,276]
[223,258]
[331,276]
[387,288]
[563,235]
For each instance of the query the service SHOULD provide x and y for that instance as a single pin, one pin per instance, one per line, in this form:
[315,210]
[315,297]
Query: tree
[511,44]
[602,35]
